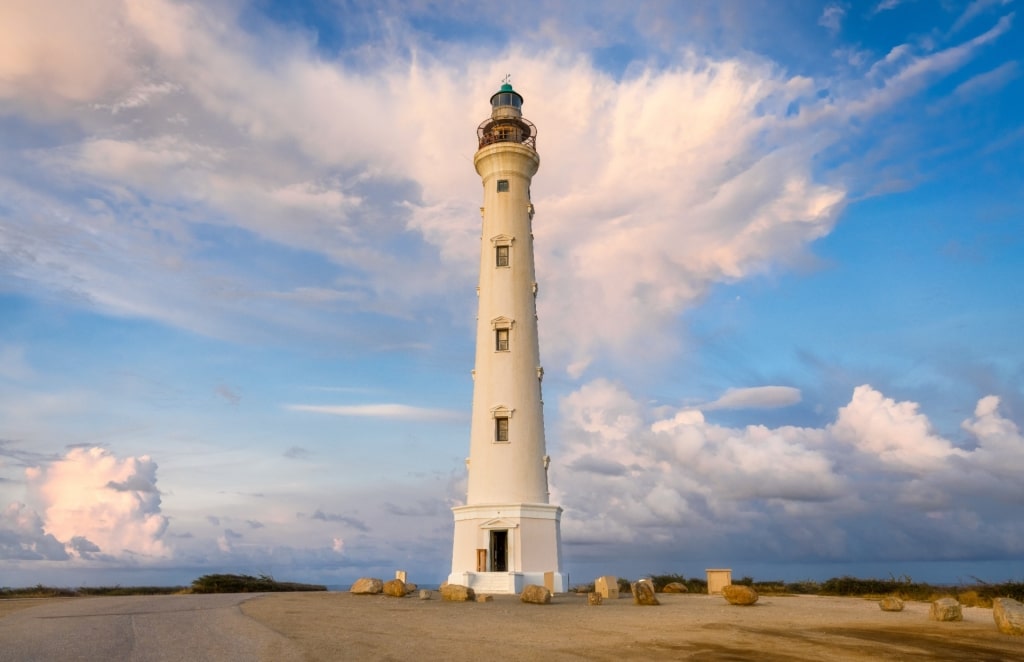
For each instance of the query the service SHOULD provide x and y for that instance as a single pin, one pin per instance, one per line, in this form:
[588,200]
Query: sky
[779,253]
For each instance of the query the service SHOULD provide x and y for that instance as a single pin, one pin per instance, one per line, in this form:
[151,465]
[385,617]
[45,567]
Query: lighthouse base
[500,548]
[498,583]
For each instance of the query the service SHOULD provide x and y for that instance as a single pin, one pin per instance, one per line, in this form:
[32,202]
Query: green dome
[506,88]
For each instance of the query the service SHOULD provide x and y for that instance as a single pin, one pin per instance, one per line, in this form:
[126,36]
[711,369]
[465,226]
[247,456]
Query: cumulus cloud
[100,506]
[893,432]
[22,536]
[625,470]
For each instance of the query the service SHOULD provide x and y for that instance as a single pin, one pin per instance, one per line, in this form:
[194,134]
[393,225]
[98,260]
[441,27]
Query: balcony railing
[507,131]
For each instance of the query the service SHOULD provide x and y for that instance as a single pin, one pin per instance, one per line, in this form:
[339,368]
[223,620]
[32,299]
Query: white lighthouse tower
[507,535]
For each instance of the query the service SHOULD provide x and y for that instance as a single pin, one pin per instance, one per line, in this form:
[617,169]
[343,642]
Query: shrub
[247,584]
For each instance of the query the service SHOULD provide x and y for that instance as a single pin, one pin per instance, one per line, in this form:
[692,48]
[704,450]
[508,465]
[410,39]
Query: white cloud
[757,397]
[100,506]
[987,82]
[386,410]
[975,9]
[894,432]
[832,17]
[886,5]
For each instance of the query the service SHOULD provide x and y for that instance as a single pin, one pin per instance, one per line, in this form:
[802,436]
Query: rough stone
[675,587]
[1009,616]
[457,593]
[607,586]
[946,609]
[594,598]
[485,598]
[643,592]
[410,588]
[738,594]
[535,595]
[890,603]
[395,588]
[367,586]
[425,594]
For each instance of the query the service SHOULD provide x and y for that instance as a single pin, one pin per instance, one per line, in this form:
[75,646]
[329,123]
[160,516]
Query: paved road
[161,628]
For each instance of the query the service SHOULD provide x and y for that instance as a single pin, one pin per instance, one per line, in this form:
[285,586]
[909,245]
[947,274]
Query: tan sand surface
[341,626]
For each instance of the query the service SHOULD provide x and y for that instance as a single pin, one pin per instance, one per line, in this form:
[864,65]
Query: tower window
[501,428]
[502,186]
[501,256]
[501,340]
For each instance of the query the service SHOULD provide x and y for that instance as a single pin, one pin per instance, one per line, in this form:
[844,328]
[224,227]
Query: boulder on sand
[643,592]
[675,587]
[890,603]
[395,588]
[367,586]
[946,609]
[535,595]
[457,593]
[1009,616]
[738,594]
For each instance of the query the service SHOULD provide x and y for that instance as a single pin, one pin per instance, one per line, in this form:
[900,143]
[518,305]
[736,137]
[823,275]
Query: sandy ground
[340,626]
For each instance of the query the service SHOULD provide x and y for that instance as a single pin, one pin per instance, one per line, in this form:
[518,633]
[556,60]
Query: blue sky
[777,245]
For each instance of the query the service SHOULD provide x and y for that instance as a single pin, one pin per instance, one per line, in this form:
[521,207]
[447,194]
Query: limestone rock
[594,598]
[675,587]
[485,598]
[946,609]
[395,588]
[367,586]
[607,586]
[425,594]
[535,595]
[890,603]
[410,588]
[643,592]
[738,594]
[457,593]
[1009,616]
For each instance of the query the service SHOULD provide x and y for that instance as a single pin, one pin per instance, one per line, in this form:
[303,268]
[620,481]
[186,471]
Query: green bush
[247,584]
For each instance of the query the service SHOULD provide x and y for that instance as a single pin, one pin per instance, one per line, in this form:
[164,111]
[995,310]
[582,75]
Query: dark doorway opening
[499,551]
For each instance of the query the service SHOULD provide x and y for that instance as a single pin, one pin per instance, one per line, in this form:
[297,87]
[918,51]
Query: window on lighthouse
[502,186]
[501,256]
[501,428]
[501,340]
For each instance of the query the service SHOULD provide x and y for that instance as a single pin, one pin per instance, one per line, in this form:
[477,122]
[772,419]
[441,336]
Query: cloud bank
[875,484]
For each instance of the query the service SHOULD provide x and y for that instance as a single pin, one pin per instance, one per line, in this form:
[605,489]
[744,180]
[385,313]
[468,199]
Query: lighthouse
[507,535]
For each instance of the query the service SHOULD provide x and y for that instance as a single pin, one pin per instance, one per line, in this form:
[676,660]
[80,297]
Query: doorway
[499,551]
